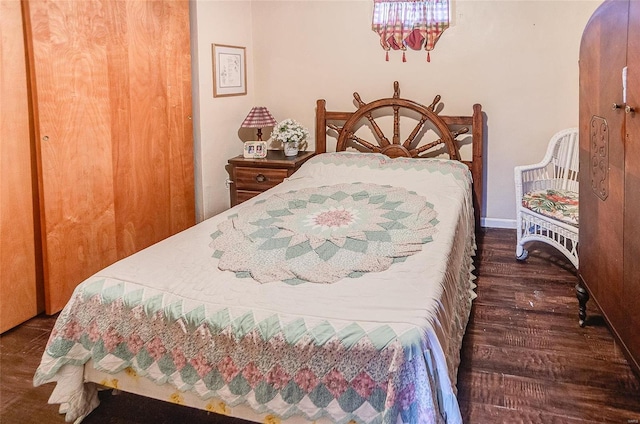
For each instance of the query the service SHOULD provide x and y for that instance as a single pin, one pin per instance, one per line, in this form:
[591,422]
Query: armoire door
[19,298]
[111,85]
[631,290]
[603,55]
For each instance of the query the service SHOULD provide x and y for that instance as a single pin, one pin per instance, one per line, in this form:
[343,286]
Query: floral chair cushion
[557,204]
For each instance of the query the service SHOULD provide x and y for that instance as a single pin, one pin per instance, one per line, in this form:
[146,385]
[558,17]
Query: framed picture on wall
[229,70]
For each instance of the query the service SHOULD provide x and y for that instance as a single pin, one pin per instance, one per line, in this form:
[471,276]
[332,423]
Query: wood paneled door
[18,272]
[111,83]
[631,289]
[610,168]
[602,175]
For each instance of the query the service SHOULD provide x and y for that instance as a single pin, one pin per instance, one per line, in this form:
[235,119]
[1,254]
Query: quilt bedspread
[366,373]
[324,234]
[381,348]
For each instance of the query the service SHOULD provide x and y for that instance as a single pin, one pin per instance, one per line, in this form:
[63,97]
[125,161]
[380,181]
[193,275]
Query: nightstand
[250,177]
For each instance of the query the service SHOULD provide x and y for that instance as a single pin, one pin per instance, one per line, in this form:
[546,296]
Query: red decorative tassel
[404,58]
[428,57]
[387,59]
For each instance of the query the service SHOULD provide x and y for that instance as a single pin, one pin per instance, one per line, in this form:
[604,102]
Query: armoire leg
[583,298]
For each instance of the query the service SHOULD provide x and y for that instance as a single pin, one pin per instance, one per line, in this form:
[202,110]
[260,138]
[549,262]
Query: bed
[340,295]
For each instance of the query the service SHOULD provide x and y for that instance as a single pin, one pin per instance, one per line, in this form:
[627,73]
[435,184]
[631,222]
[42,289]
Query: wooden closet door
[112,92]
[152,132]
[74,139]
[603,54]
[631,291]
[18,282]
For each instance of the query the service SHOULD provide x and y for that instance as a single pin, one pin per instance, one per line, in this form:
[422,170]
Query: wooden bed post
[477,161]
[321,126]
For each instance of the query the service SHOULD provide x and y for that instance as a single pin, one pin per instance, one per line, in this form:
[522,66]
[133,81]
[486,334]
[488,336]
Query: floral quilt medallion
[324,234]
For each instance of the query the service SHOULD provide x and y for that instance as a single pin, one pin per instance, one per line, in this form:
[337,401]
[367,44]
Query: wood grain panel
[73,133]
[154,158]
[151,94]
[609,227]
[113,104]
[259,179]
[603,54]
[243,196]
[631,289]
[18,283]
[177,60]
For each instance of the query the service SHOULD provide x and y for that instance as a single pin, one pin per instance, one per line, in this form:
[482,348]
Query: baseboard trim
[497,223]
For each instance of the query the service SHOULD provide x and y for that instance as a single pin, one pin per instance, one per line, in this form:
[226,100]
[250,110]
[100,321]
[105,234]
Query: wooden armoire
[610,169]
[108,132]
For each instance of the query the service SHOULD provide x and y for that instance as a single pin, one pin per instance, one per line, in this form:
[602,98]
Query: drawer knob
[261,178]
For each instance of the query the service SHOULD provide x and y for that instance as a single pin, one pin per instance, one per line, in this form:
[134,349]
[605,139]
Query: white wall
[519,59]
[217,120]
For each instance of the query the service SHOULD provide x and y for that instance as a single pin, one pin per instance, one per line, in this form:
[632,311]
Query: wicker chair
[547,198]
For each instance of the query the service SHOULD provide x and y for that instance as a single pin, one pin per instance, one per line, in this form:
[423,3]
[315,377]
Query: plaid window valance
[410,23]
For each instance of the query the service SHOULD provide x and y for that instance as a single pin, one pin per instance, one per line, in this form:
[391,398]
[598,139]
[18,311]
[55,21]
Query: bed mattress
[374,343]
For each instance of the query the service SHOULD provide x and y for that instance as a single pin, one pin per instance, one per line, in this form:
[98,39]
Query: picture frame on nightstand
[255,149]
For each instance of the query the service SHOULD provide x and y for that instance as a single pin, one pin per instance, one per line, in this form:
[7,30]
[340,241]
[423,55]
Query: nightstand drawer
[243,195]
[252,176]
[247,178]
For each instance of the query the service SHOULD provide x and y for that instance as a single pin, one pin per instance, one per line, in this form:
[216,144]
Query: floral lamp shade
[410,23]
[258,117]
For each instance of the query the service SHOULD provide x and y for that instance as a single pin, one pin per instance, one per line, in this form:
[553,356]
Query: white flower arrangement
[289,131]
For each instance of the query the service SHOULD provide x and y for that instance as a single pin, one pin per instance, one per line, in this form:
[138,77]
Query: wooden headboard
[448,128]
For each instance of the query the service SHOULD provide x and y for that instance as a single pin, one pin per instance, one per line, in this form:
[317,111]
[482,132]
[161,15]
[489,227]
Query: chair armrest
[529,186]
[531,177]
[532,167]
[544,175]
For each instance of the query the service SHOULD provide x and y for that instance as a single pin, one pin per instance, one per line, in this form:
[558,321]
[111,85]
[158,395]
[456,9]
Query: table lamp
[259,117]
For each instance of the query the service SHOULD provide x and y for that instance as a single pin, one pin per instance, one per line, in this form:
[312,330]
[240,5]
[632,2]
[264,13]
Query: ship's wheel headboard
[427,120]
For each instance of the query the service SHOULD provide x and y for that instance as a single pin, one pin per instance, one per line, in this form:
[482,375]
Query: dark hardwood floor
[524,357]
